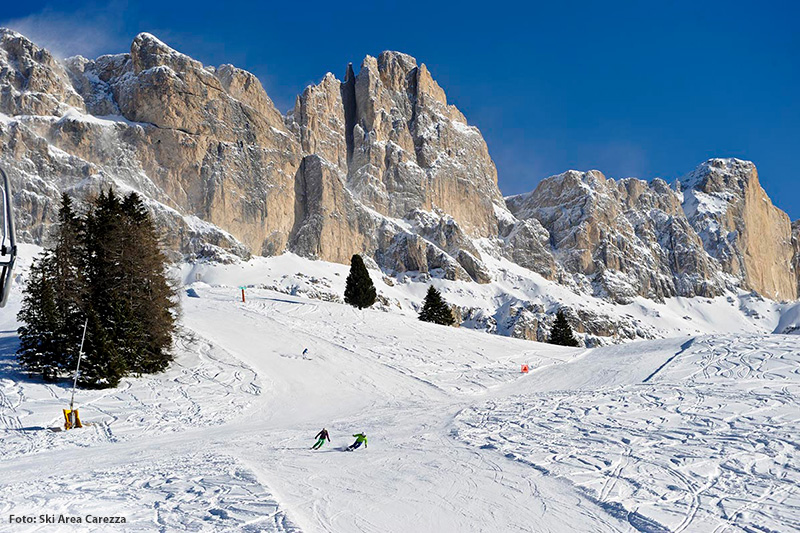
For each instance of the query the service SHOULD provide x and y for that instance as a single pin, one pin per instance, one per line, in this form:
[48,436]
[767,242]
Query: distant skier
[321,436]
[360,439]
[305,353]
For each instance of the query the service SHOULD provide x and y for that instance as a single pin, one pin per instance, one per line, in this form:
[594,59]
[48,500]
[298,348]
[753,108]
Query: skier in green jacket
[361,438]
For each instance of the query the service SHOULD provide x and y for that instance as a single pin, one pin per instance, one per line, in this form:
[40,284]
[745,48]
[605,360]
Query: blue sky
[629,88]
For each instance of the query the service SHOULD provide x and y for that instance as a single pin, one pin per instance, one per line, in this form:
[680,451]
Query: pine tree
[132,299]
[561,333]
[150,296]
[69,281]
[108,343]
[435,309]
[39,351]
[108,268]
[359,290]
[51,310]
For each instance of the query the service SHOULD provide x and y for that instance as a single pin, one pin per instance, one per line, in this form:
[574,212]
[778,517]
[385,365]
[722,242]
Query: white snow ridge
[693,434]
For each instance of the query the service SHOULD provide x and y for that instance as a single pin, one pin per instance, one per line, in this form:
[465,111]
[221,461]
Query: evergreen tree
[38,351]
[150,296]
[68,280]
[359,290]
[435,309]
[108,343]
[561,333]
[51,309]
[108,268]
[103,365]
[130,294]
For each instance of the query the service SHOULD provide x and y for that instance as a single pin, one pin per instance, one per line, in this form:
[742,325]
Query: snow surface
[741,312]
[689,434]
[705,439]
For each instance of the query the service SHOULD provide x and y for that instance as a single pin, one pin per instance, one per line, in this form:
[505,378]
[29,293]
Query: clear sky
[646,89]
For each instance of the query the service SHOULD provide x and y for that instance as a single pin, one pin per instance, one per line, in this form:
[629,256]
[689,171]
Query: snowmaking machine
[8,244]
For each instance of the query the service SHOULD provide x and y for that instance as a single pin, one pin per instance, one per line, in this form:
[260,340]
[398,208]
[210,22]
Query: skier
[360,438]
[321,436]
[305,353]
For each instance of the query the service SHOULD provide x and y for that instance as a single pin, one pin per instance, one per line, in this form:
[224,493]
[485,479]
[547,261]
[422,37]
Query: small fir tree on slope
[435,309]
[562,332]
[359,290]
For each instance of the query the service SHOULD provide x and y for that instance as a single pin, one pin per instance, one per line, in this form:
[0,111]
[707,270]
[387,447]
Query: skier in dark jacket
[321,436]
[361,438]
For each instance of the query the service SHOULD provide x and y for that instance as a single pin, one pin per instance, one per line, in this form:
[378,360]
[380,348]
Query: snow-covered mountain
[381,164]
[691,433]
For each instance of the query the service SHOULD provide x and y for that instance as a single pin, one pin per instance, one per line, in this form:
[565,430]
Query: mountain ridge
[378,164]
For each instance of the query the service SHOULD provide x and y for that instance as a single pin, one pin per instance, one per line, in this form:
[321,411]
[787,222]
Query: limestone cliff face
[399,150]
[318,120]
[221,165]
[740,228]
[207,143]
[33,82]
[411,150]
[629,237]
[329,223]
[378,164]
[398,144]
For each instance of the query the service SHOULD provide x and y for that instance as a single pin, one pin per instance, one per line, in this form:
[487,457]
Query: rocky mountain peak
[379,164]
[32,81]
[148,52]
[620,235]
[394,68]
[740,228]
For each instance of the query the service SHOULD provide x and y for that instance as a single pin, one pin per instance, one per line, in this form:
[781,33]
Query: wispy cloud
[90,31]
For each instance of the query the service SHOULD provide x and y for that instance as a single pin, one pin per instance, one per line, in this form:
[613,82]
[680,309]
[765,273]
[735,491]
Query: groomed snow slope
[490,305]
[459,439]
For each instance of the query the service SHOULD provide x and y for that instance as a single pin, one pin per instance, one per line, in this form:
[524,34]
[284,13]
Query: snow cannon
[8,243]
[71,417]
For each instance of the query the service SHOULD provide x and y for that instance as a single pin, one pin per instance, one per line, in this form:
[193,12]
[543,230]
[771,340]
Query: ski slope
[705,440]
[690,434]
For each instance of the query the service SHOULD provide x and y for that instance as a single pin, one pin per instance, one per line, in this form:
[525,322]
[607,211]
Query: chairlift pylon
[8,244]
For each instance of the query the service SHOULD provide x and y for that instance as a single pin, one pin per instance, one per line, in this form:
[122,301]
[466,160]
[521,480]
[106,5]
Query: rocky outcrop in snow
[180,139]
[400,150]
[749,237]
[629,237]
[32,82]
[336,176]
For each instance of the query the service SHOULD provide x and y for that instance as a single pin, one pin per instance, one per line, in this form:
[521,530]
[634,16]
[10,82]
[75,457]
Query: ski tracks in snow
[205,386]
[710,432]
[710,444]
[201,491]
